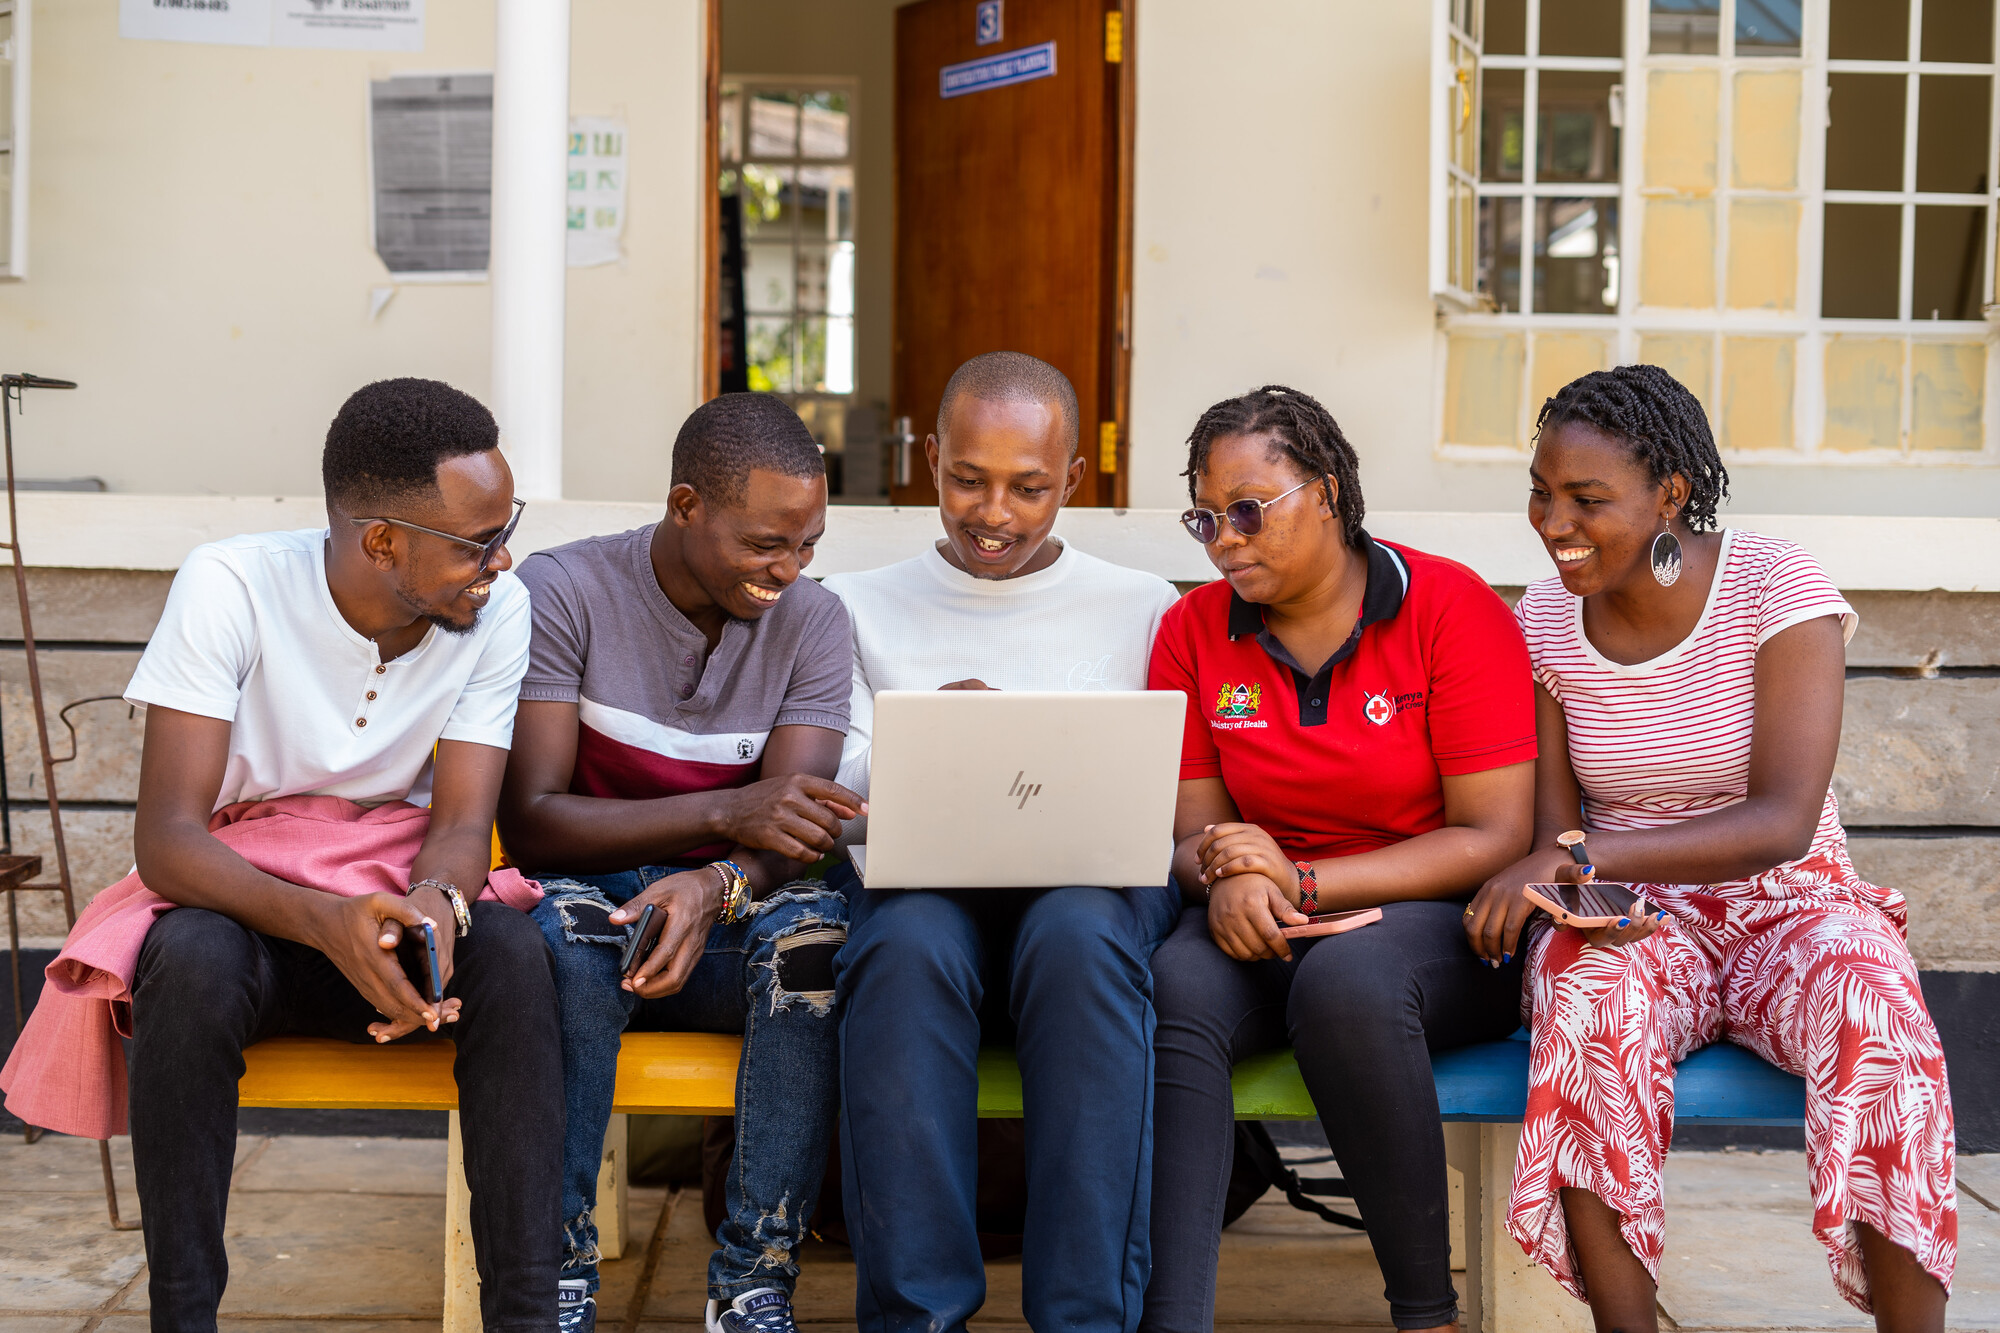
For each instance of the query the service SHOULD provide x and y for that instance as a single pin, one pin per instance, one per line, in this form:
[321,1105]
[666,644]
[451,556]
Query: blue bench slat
[1721,1084]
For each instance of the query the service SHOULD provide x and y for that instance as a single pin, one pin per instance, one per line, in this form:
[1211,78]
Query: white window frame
[1811,330]
[15,52]
[748,85]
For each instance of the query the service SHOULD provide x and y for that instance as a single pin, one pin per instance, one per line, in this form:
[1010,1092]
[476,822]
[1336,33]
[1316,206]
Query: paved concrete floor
[347,1235]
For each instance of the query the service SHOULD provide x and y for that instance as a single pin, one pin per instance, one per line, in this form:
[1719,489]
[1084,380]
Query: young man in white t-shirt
[927,977]
[333,662]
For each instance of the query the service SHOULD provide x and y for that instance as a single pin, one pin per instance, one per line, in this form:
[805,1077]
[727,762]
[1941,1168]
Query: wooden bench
[1482,1092]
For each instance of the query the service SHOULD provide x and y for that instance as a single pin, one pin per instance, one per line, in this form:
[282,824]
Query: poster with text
[223,22]
[596,190]
[349,25]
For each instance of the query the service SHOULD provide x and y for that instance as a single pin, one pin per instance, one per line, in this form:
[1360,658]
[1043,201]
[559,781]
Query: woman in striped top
[1688,717]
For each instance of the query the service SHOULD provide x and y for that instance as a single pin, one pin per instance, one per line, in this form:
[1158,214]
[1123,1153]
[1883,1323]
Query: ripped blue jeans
[768,976]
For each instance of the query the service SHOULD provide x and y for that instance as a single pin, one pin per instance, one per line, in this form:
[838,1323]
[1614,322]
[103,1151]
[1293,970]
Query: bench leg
[1510,1293]
[461,1275]
[611,1188]
[1468,1241]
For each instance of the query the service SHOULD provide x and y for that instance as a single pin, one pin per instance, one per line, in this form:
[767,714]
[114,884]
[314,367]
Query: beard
[444,620]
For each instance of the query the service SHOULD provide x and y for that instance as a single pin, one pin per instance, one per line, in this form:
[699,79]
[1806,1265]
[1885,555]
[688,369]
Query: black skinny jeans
[1363,1010]
[207,987]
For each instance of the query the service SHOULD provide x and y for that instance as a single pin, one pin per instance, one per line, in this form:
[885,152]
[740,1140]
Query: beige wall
[201,262]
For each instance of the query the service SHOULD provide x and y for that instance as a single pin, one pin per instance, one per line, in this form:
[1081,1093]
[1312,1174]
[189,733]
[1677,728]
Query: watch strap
[461,915]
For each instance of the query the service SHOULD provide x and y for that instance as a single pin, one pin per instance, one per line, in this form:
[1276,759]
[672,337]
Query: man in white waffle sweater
[927,977]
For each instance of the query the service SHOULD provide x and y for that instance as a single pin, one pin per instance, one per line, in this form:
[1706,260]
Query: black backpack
[1259,1166]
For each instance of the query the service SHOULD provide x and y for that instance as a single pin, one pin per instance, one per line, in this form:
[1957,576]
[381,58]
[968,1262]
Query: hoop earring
[1666,559]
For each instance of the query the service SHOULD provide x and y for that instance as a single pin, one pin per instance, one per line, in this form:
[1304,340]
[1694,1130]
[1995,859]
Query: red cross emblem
[1378,710]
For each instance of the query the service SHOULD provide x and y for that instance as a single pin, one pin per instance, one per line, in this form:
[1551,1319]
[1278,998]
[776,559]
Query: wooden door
[1013,215]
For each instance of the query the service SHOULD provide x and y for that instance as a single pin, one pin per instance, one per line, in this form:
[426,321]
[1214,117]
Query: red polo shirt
[1434,682]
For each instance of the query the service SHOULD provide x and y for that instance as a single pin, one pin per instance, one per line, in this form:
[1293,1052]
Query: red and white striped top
[1669,739]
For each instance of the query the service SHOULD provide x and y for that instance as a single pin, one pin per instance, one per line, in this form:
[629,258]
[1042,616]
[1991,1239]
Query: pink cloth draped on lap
[67,1072]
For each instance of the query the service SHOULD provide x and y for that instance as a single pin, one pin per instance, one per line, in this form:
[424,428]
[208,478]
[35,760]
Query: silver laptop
[1003,789]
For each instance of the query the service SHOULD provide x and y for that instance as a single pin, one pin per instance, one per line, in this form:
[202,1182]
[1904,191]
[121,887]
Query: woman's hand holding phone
[1243,916]
[1501,908]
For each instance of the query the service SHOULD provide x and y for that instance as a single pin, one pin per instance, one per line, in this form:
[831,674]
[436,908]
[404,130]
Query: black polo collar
[1388,584]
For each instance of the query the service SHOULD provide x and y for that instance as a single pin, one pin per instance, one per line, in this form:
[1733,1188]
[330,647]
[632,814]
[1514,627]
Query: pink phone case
[1333,923]
[1547,897]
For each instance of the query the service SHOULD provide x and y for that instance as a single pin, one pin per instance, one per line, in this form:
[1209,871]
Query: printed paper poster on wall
[349,25]
[596,190]
[222,22]
[346,25]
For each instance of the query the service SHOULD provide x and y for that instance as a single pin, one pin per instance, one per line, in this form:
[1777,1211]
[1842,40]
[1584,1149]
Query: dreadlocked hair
[1658,420]
[1306,432]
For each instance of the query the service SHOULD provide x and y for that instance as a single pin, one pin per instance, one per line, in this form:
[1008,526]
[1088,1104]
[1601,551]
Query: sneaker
[576,1308]
[765,1310]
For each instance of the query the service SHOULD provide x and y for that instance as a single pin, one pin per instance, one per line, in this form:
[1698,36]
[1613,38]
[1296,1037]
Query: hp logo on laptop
[1024,789]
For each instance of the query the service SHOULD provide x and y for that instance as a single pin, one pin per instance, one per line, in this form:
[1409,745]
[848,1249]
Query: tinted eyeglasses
[1246,516]
[488,549]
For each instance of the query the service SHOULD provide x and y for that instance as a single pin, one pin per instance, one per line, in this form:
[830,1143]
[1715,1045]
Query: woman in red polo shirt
[1360,733]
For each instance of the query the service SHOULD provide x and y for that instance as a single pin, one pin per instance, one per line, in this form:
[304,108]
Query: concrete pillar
[527,267]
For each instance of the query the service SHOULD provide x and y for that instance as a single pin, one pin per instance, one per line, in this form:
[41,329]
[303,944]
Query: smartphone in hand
[419,955]
[1332,923]
[1587,906]
[639,944]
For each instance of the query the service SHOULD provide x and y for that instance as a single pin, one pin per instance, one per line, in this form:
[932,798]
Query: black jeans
[1363,1010]
[207,987]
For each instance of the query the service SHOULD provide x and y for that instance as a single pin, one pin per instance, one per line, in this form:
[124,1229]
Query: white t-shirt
[251,635]
[1080,624]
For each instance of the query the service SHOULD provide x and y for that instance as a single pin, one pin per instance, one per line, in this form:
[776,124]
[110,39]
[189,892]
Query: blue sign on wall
[986,23]
[976,76]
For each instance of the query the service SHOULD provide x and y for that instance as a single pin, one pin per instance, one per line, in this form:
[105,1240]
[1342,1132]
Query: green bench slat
[1720,1085]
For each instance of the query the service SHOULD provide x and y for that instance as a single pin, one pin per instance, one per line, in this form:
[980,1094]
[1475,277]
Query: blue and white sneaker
[576,1308]
[765,1310]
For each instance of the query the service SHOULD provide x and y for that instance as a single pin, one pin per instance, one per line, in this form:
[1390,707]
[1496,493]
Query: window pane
[1951,132]
[1679,267]
[1482,388]
[823,193]
[1562,357]
[1685,27]
[1858,267]
[1506,28]
[1958,30]
[1767,27]
[1500,124]
[771,355]
[1582,27]
[729,125]
[1681,128]
[1763,253]
[1685,356]
[1757,393]
[1947,393]
[1950,260]
[767,202]
[1864,134]
[768,279]
[1576,256]
[1500,252]
[811,373]
[1864,393]
[1869,30]
[823,125]
[840,356]
[1764,133]
[812,277]
[774,125]
[1578,142]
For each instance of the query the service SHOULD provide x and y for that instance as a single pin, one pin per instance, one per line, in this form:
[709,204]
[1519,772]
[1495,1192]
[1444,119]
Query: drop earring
[1666,559]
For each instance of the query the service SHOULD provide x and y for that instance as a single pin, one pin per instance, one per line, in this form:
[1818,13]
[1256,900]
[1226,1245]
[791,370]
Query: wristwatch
[1572,842]
[735,892]
[460,913]
[1308,887]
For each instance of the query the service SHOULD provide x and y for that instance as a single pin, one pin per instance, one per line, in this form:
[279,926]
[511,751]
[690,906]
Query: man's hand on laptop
[795,815]
[360,935]
[968,684]
[690,900]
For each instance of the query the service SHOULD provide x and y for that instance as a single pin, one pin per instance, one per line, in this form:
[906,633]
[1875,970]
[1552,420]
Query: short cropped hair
[387,440]
[1011,377]
[726,438]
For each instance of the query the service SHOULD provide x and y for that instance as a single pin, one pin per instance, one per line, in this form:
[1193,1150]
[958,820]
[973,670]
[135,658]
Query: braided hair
[1658,420]
[1306,431]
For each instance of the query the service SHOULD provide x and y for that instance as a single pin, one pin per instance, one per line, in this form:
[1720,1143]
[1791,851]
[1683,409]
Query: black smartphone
[645,934]
[419,955]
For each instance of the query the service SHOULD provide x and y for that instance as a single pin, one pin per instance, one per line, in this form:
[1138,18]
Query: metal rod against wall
[527,264]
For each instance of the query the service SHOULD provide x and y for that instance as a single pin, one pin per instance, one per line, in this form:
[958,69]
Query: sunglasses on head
[1246,516]
[488,549]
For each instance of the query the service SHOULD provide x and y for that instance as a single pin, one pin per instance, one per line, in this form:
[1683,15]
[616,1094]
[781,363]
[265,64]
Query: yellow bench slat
[661,1073]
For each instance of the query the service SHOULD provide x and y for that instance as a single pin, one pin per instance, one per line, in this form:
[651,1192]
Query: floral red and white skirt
[1805,965]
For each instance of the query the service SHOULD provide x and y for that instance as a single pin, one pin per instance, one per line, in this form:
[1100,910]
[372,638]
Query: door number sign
[987,27]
